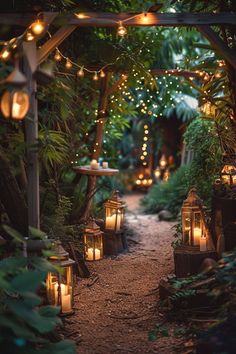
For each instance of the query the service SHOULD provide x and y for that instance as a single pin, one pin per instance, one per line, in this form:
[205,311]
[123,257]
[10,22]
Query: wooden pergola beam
[228,54]
[130,19]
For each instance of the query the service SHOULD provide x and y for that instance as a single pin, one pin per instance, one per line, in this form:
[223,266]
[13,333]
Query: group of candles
[94,165]
[65,296]
[199,239]
[113,222]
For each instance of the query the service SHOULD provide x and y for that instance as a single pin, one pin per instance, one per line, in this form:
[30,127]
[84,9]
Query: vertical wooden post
[31,131]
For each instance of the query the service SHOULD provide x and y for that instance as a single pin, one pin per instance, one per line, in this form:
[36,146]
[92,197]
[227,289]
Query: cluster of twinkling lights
[144,153]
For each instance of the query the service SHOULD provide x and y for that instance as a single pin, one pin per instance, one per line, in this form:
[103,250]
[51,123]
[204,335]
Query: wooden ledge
[86,170]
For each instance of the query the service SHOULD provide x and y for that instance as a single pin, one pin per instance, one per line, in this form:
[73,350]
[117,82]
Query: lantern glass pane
[15,104]
[93,247]
[113,219]
[186,225]
[197,228]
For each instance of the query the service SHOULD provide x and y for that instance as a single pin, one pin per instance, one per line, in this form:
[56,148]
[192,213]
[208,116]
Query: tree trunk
[12,198]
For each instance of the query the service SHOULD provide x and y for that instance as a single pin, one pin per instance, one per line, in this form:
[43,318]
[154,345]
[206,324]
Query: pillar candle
[111,222]
[105,164]
[90,254]
[197,232]
[94,165]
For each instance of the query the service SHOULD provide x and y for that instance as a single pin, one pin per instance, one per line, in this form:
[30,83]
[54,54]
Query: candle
[90,254]
[64,291]
[66,303]
[203,243]
[105,164]
[111,222]
[94,165]
[197,232]
[226,179]
[16,109]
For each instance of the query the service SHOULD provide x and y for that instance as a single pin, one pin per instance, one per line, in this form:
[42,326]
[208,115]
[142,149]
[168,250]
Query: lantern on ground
[114,213]
[60,284]
[163,162]
[15,100]
[93,245]
[228,172]
[193,227]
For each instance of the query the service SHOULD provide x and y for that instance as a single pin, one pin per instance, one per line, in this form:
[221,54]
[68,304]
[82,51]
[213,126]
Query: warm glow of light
[5,54]
[57,56]
[37,27]
[145,18]
[102,74]
[68,64]
[82,16]
[121,30]
[80,72]
[95,76]
[142,157]
[138,182]
[145,126]
[29,37]
[145,138]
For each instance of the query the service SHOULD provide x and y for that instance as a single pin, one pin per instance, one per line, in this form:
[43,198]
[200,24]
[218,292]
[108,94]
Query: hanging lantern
[93,241]
[228,172]
[163,162]
[60,284]
[193,225]
[114,211]
[15,100]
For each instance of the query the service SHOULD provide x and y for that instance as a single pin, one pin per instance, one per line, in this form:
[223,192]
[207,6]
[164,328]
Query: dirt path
[115,314]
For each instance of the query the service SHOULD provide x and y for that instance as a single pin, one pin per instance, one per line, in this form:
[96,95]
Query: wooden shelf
[86,170]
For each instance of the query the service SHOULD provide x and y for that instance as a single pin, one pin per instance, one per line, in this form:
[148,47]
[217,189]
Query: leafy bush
[168,195]
[25,324]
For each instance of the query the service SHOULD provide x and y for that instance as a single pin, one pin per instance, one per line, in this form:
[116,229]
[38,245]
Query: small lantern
[114,209]
[15,101]
[228,173]
[93,241]
[60,284]
[193,227]
[163,162]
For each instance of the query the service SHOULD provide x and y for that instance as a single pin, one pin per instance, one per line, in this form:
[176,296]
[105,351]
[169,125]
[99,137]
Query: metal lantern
[60,284]
[228,173]
[193,227]
[93,241]
[15,100]
[114,211]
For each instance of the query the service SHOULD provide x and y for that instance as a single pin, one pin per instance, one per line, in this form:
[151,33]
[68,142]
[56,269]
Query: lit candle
[90,254]
[16,109]
[111,222]
[64,291]
[203,243]
[94,165]
[197,232]
[226,179]
[105,164]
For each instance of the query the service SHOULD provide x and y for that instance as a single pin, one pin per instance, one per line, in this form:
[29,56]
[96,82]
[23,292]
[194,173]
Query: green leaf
[28,281]
[13,233]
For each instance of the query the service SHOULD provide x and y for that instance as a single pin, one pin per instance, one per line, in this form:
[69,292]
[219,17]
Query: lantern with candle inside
[60,284]
[114,211]
[228,172]
[193,227]
[93,241]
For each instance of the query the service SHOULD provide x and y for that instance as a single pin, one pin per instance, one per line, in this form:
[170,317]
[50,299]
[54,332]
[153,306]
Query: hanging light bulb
[29,36]
[57,55]
[68,64]
[121,30]
[80,72]
[5,54]
[102,74]
[37,27]
[95,76]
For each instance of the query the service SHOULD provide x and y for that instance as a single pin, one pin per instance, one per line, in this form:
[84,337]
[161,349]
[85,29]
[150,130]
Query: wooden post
[31,132]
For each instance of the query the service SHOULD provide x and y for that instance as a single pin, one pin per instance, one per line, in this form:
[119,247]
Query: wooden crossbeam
[228,54]
[131,19]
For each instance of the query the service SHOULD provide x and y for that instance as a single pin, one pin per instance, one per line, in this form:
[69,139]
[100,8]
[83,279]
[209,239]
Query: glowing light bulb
[121,30]
[95,76]
[102,74]
[68,64]
[29,36]
[57,55]
[37,27]
[5,54]
[80,72]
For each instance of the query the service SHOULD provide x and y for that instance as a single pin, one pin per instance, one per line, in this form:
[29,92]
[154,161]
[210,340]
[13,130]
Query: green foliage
[159,331]
[24,322]
[168,195]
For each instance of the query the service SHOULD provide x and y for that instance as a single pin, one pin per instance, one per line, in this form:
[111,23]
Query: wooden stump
[112,243]
[188,260]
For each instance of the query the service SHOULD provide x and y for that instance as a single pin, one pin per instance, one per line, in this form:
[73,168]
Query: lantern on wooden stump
[193,227]
[228,173]
[93,241]
[60,284]
[114,211]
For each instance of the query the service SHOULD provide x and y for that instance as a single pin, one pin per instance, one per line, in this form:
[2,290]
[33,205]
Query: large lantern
[114,211]
[93,241]
[193,226]
[228,173]
[60,284]
[15,100]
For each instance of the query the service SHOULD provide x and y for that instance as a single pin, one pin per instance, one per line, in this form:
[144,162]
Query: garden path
[116,313]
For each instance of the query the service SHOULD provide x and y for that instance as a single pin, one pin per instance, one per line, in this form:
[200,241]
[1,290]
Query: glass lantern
[93,241]
[228,173]
[192,219]
[114,210]
[60,284]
